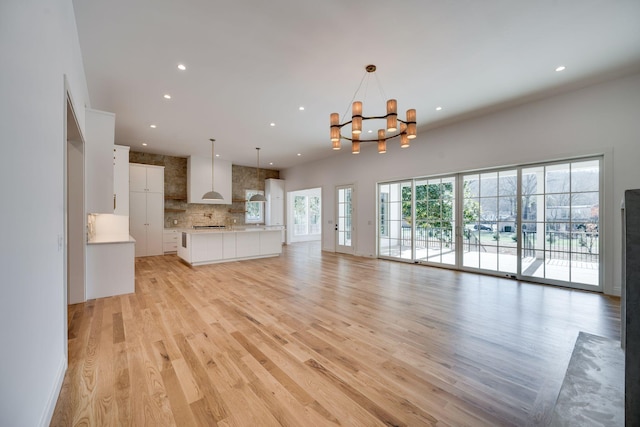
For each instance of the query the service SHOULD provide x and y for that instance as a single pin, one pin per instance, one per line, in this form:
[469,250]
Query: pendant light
[258,197]
[212,195]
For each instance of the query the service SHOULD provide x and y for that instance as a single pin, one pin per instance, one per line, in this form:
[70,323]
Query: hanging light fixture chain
[384,96]
[354,96]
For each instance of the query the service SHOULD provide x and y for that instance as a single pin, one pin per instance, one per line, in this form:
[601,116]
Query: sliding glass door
[538,222]
[395,233]
[435,225]
[489,221]
[561,222]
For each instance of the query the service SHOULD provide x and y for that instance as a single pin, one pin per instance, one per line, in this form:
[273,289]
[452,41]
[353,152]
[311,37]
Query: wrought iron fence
[559,245]
[428,237]
[563,245]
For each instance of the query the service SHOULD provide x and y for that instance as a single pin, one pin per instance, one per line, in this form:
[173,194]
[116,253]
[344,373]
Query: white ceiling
[253,62]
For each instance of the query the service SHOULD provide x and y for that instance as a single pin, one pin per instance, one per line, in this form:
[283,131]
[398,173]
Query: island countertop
[236,229]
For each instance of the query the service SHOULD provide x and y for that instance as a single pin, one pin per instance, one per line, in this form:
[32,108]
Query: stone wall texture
[186,215]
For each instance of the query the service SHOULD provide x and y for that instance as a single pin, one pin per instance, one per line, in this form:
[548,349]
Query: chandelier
[406,129]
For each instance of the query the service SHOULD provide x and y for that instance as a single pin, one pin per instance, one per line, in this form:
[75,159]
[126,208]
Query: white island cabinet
[199,247]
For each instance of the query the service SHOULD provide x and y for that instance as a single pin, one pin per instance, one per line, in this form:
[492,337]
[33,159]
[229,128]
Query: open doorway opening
[305,215]
[75,218]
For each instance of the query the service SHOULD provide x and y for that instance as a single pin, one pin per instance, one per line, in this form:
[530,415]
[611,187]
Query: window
[255,210]
[537,222]
[384,205]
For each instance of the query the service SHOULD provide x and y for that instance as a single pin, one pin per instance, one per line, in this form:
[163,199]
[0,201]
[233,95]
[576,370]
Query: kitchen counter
[110,266]
[208,246]
[101,240]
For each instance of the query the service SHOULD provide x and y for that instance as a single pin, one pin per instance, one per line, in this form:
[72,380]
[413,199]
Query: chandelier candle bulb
[404,140]
[392,115]
[382,147]
[355,144]
[356,117]
[382,142]
[335,128]
[411,124]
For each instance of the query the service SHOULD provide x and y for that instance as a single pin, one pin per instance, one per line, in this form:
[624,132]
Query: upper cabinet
[146,178]
[99,136]
[199,180]
[120,180]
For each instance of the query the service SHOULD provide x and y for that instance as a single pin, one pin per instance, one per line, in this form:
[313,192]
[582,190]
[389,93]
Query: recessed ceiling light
[272,124]
[153,126]
[561,68]
[301,108]
[167,96]
[271,163]
[217,155]
[369,131]
[144,144]
[438,108]
[299,154]
[181,67]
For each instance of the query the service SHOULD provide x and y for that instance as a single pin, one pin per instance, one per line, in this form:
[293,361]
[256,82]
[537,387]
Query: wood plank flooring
[319,339]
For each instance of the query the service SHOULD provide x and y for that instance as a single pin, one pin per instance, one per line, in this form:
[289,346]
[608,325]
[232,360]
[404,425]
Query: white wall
[38,46]
[600,119]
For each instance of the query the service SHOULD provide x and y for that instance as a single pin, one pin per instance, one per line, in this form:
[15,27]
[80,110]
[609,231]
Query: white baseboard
[55,392]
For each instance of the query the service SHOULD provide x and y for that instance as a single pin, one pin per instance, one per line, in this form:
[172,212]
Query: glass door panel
[560,214]
[490,221]
[435,240]
[394,220]
[344,226]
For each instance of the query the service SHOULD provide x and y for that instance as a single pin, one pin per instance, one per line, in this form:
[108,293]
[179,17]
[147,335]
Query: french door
[534,222]
[344,226]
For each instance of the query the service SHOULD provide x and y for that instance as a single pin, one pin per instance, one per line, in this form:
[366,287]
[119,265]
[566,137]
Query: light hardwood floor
[318,339]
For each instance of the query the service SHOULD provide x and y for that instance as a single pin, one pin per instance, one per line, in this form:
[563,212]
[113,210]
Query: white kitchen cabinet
[146,208]
[247,244]
[270,242]
[146,178]
[110,269]
[274,192]
[229,245]
[206,247]
[199,180]
[99,136]
[120,180]
[170,240]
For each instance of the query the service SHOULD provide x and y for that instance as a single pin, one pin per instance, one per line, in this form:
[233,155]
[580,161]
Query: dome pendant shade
[212,195]
[258,197]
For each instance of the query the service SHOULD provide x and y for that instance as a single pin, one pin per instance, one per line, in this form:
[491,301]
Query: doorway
[344,227]
[305,209]
[75,218]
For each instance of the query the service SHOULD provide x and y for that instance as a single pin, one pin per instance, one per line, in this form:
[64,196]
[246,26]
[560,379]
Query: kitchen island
[199,247]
